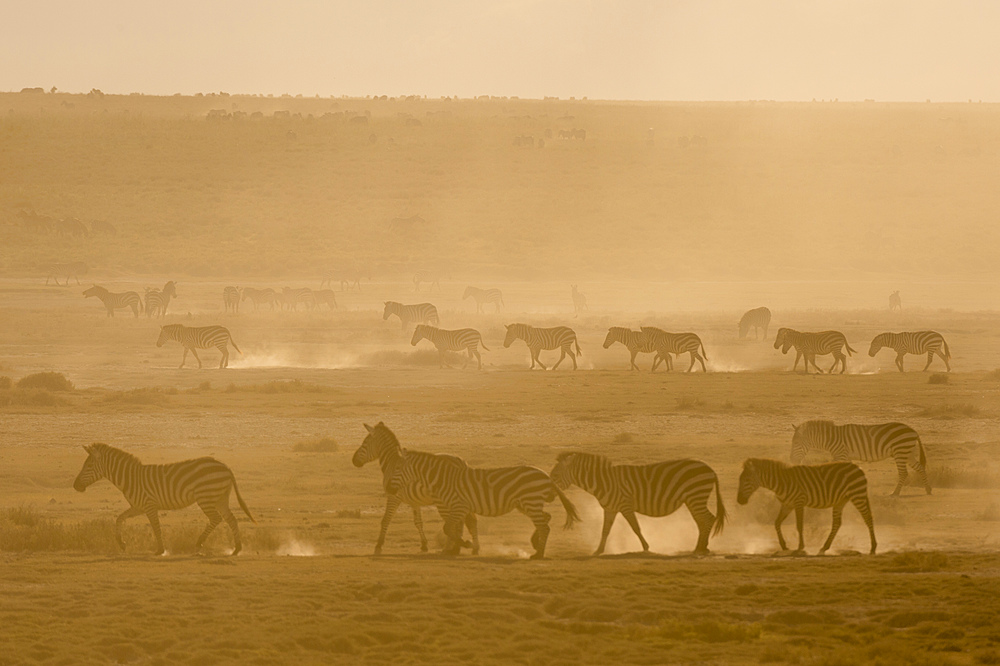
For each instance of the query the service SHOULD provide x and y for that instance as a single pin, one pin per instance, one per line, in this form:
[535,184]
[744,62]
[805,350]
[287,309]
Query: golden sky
[890,50]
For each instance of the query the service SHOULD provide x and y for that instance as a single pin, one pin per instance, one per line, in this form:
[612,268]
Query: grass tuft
[5,383]
[917,562]
[938,378]
[29,398]
[623,438]
[50,381]
[947,411]
[24,528]
[322,445]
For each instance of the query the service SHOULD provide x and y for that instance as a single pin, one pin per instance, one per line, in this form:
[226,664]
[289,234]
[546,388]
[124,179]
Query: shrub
[322,445]
[29,398]
[938,378]
[25,529]
[623,438]
[685,402]
[52,381]
[5,383]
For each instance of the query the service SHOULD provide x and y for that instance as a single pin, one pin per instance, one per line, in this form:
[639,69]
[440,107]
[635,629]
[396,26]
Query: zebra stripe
[258,296]
[482,296]
[913,342]
[422,313]
[325,296]
[348,278]
[461,491]
[293,297]
[115,301]
[756,318]
[154,488]
[231,299]
[157,300]
[466,339]
[817,486]
[538,339]
[656,490]
[675,343]
[426,276]
[201,337]
[635,341]
[864,442]
[71,270]
[809,345]
[381,444]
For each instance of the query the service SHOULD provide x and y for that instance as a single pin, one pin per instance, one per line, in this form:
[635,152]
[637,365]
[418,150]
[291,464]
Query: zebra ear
[87,449]
[796,427]
[369,428]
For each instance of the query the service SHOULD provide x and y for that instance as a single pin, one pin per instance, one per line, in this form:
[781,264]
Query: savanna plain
[681,216]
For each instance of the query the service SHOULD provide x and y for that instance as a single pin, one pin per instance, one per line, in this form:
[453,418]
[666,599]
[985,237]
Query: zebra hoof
[423,549]
[537,556]
[236,551]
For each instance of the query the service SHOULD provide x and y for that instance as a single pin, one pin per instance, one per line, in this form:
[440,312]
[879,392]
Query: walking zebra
[463,491]
[348,278]
[809,345]
[71,270]
[434,279]
[381,444]
[484,296]
[666,344]
[258,296]
[150,489]
[655,490]
[157,300]
[635,341]
[895,302]
[115,301]
[422,313]
[467,339]
[325,296]
[295,296]
[913,342]
[231,299]
[579,301]
[756,318]
[817,486]
[538,339]
[201,337]
[864,442]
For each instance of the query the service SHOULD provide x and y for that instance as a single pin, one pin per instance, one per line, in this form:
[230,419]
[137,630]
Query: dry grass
[29,398]
[947,411]
[279,386]
[938,378]
[950,477]
[139,396]
[321,445]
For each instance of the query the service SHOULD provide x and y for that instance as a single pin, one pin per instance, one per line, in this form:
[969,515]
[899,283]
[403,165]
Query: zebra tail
[923,458]
[239,498]
[571,515]
[848,345]
[703,352]
[720,510]
[577,343]
[233,343]
[484,344]
[947,352]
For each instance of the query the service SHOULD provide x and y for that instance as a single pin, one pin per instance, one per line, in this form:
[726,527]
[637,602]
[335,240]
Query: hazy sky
[667,50]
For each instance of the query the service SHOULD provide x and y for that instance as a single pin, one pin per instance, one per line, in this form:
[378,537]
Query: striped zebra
[348,278]
[463,491]
[421,313]
[815,486]
[809,345]
[116,301]
[539,339]
[869,443]
[756,318]
[895,302]
[484,296]
[579,301]
[467,339]
[71,270]
[157,300]
[666,344]
[200,337]
[655,490]
[325,296]
[303,295]
[913,342]
[150,489]
[434,279]
[635,341]
[259,296]
[231,299]
[381,444]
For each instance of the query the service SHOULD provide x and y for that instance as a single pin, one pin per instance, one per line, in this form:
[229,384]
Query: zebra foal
[810,345]
[150,489]
[201,337]
[913,342]
[467,339]
[756,318]
[115,301]
[635,341]
[562,338]
[482,296]
[421,313]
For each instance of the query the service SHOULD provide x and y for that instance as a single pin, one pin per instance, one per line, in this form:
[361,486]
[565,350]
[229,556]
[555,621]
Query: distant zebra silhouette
[70,226]
[325,296]
[421,313]
[895,302]
[666,344]
[482,296]
[302,295]
[102,228]
[756,318]
[655,490]
[434,279]
[466,339]
[154,488]
[115,301]
[635,341]
[348,278]
[538,339]
[231,299]
[913,342]
[817,486]
[864,442]
[157,300]
[579,301]
[71,270]
[809,345]
[258,296]
[202,337]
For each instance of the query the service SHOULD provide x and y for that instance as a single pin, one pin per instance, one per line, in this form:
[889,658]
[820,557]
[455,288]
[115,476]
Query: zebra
[656,490]
[71,270]
[150,489]
[422,313]
[445,341]
[809,345]
[425,276]
[537,339]
[815,486]
[463,491]
[115,301]
[157,300]
[579,301]
[895,302]
[864,442]
[201,337]
[484,296]
[295,296]
[635,341]
[913,342]
[756,318]
[348,278]
[666,344]
[231,299]
[381,444]
[325,296]
[258,296]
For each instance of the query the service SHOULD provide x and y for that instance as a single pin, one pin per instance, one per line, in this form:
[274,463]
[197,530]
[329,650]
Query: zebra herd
[462,493]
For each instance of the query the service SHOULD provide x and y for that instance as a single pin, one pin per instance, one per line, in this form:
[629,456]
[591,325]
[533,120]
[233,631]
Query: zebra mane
[108,451]
[388,435]
[596,458]
[764,463]
[817,422]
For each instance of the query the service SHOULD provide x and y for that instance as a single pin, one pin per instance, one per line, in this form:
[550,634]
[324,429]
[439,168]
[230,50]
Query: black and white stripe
[115,301]
[817,486]
[483,296]
[463,339]
[675,343]
[636,342]
[231,299]
[756,318]
[264,296]
[293,297]
[201,337]
[71,270]
[325,296]
[656,490]
[154,488]
[809,345]
[157,300]
[430,277]
[421,313]
[864,442]
[913,342]
[348,278]
[538,339]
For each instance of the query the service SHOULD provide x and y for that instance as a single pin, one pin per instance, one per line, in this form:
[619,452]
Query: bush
[25,529]
[29,398]
[322,445]
[52,381]
[5,383]
[938,378]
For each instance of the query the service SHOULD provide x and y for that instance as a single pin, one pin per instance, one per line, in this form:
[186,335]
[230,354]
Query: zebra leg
[214,518]
[562,355]
[479,358]
[795,365]
[899,360]
[632,365]
[634,522]
[945,359]
[704,519]
[930,357]
[799,515]
[194,352]
[861,504]
[838,512]
[391,504]
[922,471]
[224,361]
[154,522]
[782,514]
[609,520]
[185,357]
[473,525]
[541,536]
[131,512]
[901,468]
[135,310]
[231,521]
[536,359]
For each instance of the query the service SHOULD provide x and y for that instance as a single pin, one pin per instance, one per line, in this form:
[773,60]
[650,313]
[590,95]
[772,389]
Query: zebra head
[92,471]
[564,473]
[514,332]
[779,339]
[615,334]
[419,333]
[164,336]
[749,481]
[877,344]
[390,307]
[468,292]
[93,291]
[170,289]
[379,439]
[744,327]
[799,443]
